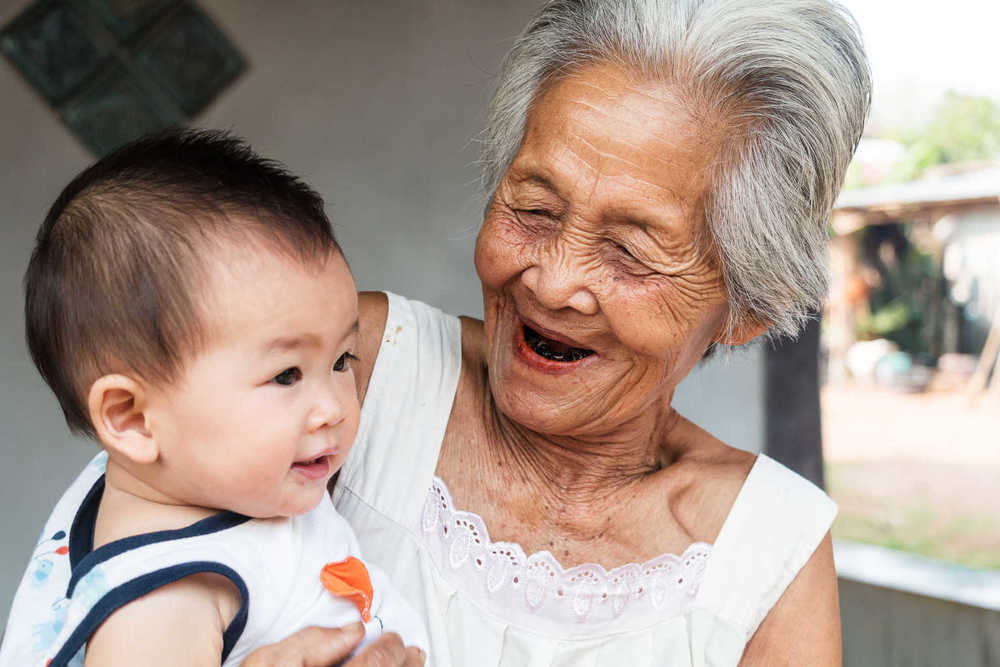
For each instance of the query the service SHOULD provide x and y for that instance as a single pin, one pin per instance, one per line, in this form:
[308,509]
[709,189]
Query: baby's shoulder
[121,516]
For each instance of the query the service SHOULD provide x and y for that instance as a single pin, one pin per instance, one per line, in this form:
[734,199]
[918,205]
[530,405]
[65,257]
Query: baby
[190,308]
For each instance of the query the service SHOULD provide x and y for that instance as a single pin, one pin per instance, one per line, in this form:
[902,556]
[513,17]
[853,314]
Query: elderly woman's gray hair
[791,81]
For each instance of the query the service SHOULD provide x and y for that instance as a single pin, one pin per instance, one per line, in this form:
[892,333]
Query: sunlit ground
[919,472]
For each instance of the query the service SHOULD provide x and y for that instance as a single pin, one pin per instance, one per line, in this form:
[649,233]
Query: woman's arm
[803,628]
[373,309]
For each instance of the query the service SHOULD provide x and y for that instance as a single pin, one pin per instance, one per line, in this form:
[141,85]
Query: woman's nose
[558,280]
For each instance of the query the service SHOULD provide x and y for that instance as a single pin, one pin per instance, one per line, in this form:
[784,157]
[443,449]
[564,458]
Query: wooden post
[988,359]
[792,430]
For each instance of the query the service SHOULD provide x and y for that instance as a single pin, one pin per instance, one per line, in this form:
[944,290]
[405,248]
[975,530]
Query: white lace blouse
[489,603]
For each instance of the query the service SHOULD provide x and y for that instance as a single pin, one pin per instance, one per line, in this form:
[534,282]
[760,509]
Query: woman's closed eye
[625,252]
[537,220]
[288,377]
[342,364]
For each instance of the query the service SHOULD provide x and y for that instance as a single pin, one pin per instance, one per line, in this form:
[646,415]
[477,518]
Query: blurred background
[891,400]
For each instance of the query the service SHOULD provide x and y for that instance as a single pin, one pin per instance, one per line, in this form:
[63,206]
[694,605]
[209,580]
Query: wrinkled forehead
[618,140]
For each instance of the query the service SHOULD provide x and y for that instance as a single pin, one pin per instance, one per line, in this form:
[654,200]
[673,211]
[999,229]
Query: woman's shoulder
[709,481]
[719,486]
[402,330]
[373,311]
[473,339]
[704,478]
[768,526]
[465,425]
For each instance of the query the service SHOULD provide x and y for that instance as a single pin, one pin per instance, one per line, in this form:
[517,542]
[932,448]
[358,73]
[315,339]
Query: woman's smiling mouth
[551,349]
[538,349]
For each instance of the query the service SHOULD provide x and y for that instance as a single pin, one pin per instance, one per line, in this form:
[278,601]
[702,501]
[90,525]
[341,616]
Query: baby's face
[266,413]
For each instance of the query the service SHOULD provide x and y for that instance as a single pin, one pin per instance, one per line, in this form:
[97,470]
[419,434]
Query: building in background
[952,216]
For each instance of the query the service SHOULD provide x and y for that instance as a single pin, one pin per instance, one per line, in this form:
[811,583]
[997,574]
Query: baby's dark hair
[113,280]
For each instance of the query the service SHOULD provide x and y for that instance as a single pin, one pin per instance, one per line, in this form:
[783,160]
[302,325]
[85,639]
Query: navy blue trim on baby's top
[135,588]
[83,558]
[81,532]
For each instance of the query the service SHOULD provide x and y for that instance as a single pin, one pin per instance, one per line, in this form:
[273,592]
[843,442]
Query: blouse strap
[406,410]
[775,525]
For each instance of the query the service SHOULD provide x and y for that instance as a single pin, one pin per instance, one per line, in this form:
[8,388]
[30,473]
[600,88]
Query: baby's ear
[117,405]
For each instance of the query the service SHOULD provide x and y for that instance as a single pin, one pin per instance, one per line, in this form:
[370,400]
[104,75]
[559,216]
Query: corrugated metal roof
[971,186]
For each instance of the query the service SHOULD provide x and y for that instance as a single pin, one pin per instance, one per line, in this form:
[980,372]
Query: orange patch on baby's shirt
[349,579]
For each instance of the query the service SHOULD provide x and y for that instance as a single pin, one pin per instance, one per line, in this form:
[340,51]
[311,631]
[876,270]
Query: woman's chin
[533,412]
[541,401]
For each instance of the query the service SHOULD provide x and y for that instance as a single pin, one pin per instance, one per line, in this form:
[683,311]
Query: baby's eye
[288,377]
[341,364]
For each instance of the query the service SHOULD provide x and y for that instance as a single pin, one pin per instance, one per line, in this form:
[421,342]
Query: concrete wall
[886,627]
[900,609]
[376,104]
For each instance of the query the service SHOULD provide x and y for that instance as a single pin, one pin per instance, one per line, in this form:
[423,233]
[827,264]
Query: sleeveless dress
[488,603]
[70,588]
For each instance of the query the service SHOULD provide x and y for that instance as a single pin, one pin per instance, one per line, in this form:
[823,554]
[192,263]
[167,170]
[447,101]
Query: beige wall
[377,105]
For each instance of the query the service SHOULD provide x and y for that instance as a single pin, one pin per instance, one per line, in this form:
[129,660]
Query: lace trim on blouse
[540,586]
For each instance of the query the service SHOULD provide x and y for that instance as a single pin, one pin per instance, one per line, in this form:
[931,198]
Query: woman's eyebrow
[354,328]
[537,181]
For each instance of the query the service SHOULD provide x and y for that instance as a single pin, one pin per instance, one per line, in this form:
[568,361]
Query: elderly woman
[661,175]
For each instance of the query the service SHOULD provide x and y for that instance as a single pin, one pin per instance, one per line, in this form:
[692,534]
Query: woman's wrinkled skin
[599,237]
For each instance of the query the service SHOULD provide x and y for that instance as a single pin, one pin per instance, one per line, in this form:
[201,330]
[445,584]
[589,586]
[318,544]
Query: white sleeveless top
[489,603]
[70,588]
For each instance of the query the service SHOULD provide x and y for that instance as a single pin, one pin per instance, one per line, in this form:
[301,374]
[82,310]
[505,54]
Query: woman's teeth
[553,350]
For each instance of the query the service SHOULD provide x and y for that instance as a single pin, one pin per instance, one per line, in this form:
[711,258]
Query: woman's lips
[551,335]
[545,353]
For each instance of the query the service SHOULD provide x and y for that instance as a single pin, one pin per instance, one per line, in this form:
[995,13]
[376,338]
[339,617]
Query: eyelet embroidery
[539,581]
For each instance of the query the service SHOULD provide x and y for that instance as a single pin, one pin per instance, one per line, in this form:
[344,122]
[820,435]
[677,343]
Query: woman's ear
[117,405]
[742,333]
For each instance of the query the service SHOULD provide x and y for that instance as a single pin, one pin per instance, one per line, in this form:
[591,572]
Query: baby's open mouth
[313,468]
[553,350]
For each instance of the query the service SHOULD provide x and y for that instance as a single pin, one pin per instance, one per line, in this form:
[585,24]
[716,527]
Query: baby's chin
[288,508]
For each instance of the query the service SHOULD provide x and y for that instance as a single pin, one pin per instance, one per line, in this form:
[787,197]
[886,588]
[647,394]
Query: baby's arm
[178,624]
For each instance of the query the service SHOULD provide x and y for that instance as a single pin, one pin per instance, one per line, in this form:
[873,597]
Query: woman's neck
[588,469]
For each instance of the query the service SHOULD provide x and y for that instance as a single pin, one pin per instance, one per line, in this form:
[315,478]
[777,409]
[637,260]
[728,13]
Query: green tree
[962,128]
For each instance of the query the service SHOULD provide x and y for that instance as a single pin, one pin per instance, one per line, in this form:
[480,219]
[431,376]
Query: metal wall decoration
[114,70]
